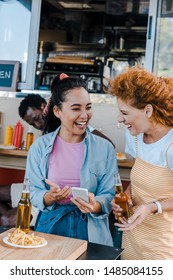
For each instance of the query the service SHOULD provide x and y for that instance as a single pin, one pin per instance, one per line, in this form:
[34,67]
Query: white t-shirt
[154,153]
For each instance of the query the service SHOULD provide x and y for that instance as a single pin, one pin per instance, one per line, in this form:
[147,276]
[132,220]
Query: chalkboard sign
[8,75]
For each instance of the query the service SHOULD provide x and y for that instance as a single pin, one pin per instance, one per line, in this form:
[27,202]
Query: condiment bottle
[8,135]
[29,138]
[121,198]
[24,208]
[121,43]
[17,135]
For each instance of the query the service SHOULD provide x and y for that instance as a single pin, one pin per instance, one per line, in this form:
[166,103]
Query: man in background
[31,110]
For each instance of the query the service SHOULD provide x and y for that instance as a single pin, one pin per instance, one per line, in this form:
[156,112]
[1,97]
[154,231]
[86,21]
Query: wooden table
[125,163]
[58,248]
[124,167]
[14,159]
[93,251]
[17,159]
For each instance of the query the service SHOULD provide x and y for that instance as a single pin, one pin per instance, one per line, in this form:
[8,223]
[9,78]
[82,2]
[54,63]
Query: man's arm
[98,133]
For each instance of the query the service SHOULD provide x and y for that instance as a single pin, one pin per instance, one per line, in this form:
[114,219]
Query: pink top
[65,162]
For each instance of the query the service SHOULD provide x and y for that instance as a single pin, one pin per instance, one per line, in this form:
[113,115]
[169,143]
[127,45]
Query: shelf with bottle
[127,55]
[126,40]
[131,51]
[13,136]
[131,28]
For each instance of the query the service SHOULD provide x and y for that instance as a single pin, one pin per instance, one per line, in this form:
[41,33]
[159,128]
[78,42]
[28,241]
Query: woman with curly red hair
[145,102]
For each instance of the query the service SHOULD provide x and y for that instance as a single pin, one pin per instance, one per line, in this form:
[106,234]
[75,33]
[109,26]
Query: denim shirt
[97,175]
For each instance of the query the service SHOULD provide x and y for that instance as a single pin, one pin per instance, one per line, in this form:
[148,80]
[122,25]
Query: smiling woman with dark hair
[32,109]
[69,155]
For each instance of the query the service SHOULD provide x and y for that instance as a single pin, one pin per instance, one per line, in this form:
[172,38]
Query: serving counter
[13,159]
[57,248]
[16,159]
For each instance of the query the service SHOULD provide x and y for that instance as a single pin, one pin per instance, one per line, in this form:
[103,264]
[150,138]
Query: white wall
[104,119]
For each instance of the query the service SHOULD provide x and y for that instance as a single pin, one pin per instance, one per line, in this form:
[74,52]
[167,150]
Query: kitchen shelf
[126,54]
[128,51]
[131,28]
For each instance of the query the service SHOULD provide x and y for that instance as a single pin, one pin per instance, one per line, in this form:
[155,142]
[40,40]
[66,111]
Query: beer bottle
[29,138]
[24,208]
[121,198]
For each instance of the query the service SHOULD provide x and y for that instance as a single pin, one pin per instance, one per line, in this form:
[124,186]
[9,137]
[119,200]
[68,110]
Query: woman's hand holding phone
[90,206]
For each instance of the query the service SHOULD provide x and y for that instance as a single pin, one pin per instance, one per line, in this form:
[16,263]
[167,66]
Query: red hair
[139,87]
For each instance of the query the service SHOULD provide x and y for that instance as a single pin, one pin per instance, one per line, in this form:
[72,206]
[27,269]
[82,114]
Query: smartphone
[81,193]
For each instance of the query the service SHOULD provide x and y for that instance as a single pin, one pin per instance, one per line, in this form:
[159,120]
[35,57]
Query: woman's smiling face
[75,113]
[136,120]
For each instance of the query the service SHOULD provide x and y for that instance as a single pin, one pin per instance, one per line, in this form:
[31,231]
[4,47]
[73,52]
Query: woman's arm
[142,212]
[36,171]
[165,206]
